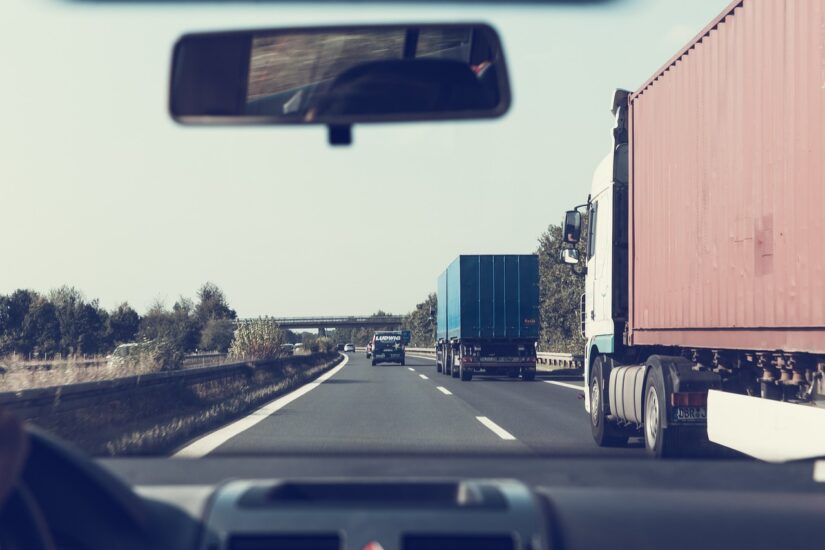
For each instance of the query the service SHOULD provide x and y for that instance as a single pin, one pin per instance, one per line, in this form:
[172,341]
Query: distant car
[287,349]
[349,347]
[341,347]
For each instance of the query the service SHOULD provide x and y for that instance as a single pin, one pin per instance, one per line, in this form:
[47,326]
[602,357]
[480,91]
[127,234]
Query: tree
[217,335]
[41,329]
[185,326]
[155,323]
[68,303]
[122,325]
[560,291]
[13,311]
[212,304]
[90,324]
[178,327]
[421,323]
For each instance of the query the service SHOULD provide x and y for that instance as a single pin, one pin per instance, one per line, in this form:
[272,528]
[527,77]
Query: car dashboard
[408,502]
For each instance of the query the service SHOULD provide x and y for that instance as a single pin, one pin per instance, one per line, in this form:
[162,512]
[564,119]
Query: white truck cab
[603,314]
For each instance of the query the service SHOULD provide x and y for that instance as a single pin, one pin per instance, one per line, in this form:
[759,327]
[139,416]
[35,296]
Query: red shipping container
[727,192]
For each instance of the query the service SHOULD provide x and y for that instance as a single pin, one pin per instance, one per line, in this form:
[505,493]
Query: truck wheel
[466,374]
[454,372]
[528,375]
[605,434]
[403,361]
[659,441]
[374,363]
[438,367]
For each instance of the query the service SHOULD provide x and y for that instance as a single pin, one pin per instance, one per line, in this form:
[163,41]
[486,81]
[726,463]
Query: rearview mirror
[569,256]
[339,76]
[572,227]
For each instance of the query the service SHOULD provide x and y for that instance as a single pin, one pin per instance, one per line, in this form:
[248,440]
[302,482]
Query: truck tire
[660,442]
[403,361]
[465,374]
[438,367]
[528,375]
[374,363]
[455,371]
[605,433]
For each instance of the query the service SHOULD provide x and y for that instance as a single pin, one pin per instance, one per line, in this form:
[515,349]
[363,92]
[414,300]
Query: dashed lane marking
[495,428]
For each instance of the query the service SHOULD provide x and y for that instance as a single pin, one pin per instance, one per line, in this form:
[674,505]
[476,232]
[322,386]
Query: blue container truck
[488,316]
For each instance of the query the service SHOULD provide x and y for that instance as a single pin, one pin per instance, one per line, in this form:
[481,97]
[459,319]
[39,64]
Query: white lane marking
[565,385]
[424,376]
[495,428]
[208,443]
[444,390]
[412,369]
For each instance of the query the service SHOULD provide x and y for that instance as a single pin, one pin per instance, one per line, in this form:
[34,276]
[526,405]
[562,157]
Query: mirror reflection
[317,75]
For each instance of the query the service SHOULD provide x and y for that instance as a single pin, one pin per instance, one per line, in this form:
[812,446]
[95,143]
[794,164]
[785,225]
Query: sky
[101,190]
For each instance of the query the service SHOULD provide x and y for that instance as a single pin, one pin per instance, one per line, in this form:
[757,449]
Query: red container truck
[704,305]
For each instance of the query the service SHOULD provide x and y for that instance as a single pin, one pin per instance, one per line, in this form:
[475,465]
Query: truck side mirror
[569,256]
[572,227]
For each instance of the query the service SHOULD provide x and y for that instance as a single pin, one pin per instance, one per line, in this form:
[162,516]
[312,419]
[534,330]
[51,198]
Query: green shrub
[257,339]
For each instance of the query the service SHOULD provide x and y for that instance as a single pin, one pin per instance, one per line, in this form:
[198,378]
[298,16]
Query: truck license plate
[689,414]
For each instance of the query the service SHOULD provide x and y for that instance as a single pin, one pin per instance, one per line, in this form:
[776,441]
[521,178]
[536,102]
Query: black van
[387,347]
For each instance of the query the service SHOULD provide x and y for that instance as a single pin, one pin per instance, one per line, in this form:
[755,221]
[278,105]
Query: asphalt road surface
[393,408]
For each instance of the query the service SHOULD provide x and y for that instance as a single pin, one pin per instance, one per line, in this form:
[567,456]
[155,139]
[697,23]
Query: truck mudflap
[687,385]
[769,430]
[684,383]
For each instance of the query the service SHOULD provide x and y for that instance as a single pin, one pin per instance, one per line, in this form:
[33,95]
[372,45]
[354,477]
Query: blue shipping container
[489,297]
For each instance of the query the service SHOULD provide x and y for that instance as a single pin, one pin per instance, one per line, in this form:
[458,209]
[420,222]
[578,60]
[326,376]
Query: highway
[412,408]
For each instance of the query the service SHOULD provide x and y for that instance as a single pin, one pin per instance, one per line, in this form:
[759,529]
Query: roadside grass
[157,421]
[214,404]
[18,374]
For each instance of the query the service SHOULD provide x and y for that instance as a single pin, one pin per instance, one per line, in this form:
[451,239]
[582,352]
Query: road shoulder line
[211,441]
[565,385]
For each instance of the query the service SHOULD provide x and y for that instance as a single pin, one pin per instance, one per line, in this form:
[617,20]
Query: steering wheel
[23,521]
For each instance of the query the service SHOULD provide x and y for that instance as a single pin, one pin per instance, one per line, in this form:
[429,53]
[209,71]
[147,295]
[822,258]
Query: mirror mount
[340,134]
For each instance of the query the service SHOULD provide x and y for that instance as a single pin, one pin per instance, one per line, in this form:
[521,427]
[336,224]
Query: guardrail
[35,402]
[563,360]
[566,360]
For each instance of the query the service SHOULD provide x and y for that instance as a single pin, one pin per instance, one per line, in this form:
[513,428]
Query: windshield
[139,251]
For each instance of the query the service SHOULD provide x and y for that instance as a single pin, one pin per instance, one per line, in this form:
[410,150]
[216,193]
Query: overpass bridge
[324,322]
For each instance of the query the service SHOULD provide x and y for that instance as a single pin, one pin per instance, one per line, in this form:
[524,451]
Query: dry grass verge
[17,374]
[158,421]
